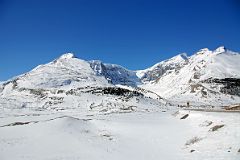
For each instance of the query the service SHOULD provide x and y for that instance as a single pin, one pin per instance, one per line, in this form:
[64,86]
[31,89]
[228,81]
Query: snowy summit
[67,56]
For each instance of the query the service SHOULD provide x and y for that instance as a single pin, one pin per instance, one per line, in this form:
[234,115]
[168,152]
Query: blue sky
[134,34]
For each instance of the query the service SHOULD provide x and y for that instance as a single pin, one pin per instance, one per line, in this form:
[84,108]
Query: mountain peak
[178,58]
[67,56]
[220,49]
[204,50]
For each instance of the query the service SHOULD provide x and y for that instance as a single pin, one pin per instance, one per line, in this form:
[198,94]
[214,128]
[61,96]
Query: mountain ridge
[182,78]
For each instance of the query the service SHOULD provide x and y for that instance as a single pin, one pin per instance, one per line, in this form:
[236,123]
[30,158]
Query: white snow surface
[70,135]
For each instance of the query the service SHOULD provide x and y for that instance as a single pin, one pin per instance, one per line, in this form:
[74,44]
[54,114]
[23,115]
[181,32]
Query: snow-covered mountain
[65,71]
[206,78]
[69,82]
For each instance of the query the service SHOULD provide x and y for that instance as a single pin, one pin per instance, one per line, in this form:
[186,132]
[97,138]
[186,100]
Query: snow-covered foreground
[50,135]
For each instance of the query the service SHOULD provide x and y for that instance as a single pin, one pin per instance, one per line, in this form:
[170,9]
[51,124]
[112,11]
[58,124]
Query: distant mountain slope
[190,81]
[153,73]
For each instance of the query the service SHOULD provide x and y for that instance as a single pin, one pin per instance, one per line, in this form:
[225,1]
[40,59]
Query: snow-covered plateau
[186,107]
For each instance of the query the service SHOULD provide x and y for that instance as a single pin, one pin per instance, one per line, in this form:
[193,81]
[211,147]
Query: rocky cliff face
[115,74]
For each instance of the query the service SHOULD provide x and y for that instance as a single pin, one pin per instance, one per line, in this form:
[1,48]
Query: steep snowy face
[220,63]
[115,74]
[199,79]
[165,67]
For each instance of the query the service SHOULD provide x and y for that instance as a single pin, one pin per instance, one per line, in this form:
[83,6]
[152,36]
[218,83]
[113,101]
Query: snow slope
[156,135]
[66,71]
[155,72]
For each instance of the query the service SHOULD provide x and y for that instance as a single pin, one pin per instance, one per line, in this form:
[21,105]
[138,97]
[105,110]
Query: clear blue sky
[134,34]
